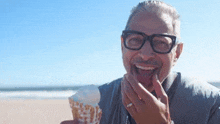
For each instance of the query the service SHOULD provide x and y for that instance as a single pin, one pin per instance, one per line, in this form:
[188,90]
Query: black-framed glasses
[160,43]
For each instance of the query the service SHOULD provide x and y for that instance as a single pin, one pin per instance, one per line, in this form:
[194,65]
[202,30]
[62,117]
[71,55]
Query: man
[149,93]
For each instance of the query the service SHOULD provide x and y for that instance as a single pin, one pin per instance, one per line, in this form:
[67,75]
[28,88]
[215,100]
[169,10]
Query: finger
[126,100]
[142,92]
[69,122]
[132,95]
[161,94]
[131,109]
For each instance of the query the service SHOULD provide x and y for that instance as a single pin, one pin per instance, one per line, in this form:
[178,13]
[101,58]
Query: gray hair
[157,7]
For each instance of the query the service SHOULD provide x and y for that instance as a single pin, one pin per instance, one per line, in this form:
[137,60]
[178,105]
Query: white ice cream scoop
[87,95]
[84,104]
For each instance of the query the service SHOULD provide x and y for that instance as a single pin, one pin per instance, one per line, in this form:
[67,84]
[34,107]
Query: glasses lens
[162,43]
[134,41]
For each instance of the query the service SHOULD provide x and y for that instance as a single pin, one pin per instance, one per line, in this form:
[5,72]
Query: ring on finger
[129,105]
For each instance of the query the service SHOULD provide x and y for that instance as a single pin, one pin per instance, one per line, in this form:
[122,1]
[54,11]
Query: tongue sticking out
[145,76]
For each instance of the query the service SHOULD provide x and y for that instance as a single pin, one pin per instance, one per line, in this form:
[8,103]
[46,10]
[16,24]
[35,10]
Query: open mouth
[145,71]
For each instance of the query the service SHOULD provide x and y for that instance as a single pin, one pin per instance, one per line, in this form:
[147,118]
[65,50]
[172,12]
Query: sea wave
[36,94]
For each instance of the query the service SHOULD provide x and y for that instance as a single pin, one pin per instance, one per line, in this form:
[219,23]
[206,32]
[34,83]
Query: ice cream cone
[83,112]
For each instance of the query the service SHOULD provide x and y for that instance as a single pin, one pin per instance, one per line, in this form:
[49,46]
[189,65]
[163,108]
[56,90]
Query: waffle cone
[85,114]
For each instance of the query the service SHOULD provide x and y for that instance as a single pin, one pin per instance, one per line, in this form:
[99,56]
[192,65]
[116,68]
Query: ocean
[53,92]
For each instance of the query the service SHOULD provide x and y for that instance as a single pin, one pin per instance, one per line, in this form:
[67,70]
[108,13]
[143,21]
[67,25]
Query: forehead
[151,23]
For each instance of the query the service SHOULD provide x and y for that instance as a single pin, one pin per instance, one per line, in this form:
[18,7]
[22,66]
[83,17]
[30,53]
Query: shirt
[191,101]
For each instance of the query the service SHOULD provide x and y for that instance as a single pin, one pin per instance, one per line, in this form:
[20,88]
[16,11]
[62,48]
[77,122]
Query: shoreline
[34,111]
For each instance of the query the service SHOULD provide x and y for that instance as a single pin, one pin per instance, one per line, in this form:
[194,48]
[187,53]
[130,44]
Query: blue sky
[44,43]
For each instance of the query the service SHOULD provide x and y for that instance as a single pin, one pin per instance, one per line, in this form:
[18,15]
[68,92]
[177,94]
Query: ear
[122,43]
[179,50]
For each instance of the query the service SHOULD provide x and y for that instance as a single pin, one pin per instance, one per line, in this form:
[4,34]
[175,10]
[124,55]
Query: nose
[146,51]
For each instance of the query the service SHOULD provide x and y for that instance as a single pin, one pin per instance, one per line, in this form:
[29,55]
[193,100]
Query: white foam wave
[36,94]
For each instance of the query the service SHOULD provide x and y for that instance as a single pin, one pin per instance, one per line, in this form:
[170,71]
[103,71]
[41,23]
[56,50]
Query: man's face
[145,62]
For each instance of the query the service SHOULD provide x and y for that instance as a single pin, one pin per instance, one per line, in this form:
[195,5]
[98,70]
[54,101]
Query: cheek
[127,57]
[166,67]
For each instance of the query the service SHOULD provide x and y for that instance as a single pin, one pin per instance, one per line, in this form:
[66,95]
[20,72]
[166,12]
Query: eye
[162,43]
[134,41]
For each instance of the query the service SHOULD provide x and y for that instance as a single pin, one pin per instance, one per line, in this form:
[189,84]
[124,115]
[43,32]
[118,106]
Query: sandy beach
[34,111]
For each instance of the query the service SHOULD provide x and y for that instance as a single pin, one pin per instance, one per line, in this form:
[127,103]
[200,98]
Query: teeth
[145,68]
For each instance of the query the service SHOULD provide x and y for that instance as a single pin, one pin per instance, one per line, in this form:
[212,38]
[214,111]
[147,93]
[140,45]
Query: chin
[149,87]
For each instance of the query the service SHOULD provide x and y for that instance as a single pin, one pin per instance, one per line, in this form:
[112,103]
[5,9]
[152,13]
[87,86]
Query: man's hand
[70,122]
[146,108]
